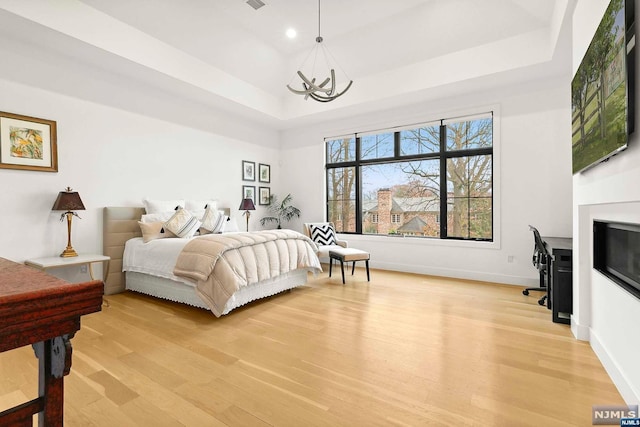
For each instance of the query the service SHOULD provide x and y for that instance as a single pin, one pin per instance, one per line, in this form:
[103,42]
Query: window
[377,146]
[342,198]
[421,173]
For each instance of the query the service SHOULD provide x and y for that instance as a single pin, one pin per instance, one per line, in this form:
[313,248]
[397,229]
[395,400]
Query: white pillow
[200,205]
[213,220]
[157,206]
[230,225]
[161,216]
[183,224]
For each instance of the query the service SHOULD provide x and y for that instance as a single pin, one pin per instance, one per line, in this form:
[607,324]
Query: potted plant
[282,211]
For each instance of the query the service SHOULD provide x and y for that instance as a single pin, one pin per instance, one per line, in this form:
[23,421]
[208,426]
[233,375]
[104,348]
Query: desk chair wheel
[542,300]
[525,292]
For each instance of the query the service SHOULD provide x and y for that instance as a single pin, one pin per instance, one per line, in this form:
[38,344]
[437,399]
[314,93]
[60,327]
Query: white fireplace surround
[605,314]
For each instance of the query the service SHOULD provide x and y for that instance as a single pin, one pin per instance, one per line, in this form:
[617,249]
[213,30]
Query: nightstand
[60,262]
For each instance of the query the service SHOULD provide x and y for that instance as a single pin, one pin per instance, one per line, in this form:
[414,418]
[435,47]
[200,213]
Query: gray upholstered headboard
[119,225]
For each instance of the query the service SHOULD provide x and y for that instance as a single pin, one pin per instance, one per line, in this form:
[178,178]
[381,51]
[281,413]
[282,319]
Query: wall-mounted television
[602,90]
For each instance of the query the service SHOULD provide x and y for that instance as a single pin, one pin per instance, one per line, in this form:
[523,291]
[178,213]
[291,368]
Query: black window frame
[442,154]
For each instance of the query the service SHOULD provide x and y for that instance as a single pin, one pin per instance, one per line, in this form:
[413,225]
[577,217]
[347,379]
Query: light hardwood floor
[405,350]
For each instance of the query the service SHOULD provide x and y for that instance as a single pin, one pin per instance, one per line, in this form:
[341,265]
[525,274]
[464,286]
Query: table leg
[105,273]
[54,360]
[91,271]
[105,270]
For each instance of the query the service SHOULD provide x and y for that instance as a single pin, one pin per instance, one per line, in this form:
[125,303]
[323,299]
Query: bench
[348,255]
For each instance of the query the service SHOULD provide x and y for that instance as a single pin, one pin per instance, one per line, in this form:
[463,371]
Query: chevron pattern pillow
[322,234]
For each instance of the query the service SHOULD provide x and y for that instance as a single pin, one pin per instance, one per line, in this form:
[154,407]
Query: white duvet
[156,258]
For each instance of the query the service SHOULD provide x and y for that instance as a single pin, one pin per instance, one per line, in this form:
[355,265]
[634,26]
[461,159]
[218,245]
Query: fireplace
[616,253]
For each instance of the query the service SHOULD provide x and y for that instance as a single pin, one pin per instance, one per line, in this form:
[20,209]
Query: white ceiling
[225,55]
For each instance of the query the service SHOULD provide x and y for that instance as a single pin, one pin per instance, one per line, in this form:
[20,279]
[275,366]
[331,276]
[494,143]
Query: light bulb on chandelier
[327,90]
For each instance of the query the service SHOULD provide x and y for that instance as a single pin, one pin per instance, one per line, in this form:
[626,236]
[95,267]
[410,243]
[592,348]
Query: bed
[149,267]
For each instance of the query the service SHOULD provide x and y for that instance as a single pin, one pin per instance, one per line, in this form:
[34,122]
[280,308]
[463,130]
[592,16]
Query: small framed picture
[248,171]
[249,192]
[264,198]
[264,173]
[28,143]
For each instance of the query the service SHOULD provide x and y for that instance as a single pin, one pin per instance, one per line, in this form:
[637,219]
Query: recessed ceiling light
[292,33]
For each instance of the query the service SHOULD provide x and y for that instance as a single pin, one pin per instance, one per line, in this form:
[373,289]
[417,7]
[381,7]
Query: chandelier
[327,90]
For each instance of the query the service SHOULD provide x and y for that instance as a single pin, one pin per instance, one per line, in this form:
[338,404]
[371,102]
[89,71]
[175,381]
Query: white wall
[532,181]
[603,312]
[114,158]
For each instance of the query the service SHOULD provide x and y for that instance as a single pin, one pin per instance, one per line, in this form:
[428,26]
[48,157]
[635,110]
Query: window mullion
[396,145]
[468,203]
[358,172]
[443,182]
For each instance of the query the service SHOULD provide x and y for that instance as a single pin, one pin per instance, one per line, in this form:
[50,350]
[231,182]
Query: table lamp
[68,201]
[247,205]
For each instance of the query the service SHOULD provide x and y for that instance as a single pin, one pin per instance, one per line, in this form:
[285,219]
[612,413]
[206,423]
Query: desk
[560,278]
[39,309]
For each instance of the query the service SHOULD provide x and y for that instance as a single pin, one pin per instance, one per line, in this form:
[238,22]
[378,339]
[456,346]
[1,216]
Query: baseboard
[459,274]
[580,332]
[628,393]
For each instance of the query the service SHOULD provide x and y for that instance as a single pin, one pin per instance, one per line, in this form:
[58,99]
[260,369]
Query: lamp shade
[68,200]
[247,205]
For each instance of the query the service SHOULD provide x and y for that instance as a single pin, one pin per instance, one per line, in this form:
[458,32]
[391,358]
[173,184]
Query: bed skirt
[185,293]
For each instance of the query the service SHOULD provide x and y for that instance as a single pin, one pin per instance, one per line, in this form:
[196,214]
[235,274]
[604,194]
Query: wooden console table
[39,309]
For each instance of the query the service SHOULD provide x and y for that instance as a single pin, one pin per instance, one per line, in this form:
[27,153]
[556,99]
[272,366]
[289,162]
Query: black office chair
[540,261]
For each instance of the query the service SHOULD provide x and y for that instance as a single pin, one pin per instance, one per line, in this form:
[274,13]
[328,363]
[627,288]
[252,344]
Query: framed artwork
[28,143]
[264,196]
[249,192]
[248,171]
[264,173]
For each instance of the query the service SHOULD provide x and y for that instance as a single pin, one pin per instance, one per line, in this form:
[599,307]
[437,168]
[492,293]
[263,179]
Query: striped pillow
[213,220]
[322,234]
[182,224]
